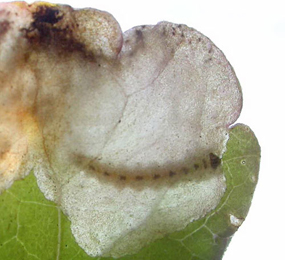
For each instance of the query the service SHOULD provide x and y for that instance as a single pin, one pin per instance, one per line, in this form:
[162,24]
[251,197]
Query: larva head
[137,122]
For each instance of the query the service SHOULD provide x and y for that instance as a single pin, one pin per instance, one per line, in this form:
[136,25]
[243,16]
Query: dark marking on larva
[4,27]
[139,178]
[196,166]
[107,174]
[205,164]
[215,161]
[199,39]
[91,167]
[185,170]
[171,173]
[156,176]
[123,177]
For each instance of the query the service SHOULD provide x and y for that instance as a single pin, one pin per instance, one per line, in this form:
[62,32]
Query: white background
[252,36]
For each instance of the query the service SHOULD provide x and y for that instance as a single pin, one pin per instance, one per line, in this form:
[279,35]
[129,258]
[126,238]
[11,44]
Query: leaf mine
[125,132]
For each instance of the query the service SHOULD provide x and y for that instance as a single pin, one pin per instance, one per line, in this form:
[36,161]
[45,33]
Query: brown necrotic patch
[46,14]
[55,29]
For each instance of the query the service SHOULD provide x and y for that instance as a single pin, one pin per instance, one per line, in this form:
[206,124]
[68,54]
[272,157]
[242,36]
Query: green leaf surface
[32,227]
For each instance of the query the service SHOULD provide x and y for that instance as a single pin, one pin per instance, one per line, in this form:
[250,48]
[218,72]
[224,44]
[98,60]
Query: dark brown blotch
[171,174]
[215,161]
[45,14]
[196,166]
[47,30]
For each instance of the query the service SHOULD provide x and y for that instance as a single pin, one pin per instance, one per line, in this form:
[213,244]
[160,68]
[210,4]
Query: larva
[211,161]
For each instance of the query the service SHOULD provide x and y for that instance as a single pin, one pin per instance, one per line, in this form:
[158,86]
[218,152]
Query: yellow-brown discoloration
[13,148]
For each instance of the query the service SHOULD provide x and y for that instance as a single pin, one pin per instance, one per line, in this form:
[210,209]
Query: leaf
[125,132]
[35,228]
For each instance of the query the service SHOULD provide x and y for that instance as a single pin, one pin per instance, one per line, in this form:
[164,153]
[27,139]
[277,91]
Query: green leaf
[32,227]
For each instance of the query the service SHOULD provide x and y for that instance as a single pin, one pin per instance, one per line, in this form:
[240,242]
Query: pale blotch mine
[124,131]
